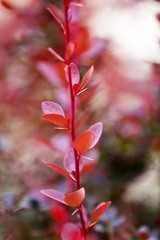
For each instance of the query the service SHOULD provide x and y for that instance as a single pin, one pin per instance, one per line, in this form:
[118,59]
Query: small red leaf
[55,195]
[99,210]
[68,121]
[56,118]
[143,233]
[71,231]
[96,130]
[69,161]
[75,76]
[83,142]
[52,107]
[75,199]
[76,87]
[70,50]
[7,5]
[86,77]
[58,169]
[56,55]
[59,213]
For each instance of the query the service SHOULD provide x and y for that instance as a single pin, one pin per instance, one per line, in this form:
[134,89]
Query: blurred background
[121,38]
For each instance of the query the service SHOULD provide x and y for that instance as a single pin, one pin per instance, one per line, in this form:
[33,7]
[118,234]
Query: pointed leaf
[86,77]
[99,210]
[71,231]
[69,50]
[56,55]
[56,118]
[52,107]
[75,199]
[55,195]
[75,76]
[96,130]
[69,161]
[83,142]
[58,169]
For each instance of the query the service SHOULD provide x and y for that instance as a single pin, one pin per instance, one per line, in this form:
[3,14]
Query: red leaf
[96,130]
[52,107]
[86,77]
[55,195]
[69,161]
[71,231]
[58,169]
[7,5]
[83,40]
[143,233]
[76,87]
[56,118]
[99,210]
[56,55]
[59,214]
[70,50]
[83,142]
[75,199]
[75,76]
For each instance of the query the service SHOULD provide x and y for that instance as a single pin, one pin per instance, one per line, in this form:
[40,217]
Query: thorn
[88,158]
[72,177]
[92,224]
[81,91]
[74,212]
[59,128]
[76,4]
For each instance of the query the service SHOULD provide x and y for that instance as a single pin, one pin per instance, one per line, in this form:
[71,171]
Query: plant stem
[76,154]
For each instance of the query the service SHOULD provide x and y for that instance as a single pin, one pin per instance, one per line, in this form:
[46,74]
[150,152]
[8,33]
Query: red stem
[76,154]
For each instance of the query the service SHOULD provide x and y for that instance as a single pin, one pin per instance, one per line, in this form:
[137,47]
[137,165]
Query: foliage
[123,167]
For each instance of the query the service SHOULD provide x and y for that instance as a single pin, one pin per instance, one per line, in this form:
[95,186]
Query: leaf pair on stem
[86,141]
[73,199]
